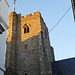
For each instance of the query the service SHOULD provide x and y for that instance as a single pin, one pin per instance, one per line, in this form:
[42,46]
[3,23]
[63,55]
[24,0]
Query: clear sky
[62,38]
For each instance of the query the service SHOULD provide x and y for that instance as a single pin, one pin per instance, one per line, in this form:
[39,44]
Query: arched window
[26,29]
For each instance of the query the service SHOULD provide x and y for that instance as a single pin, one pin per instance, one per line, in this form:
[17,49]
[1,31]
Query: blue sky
[62,38]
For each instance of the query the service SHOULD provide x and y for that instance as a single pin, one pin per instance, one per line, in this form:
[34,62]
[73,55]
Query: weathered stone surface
[30,52]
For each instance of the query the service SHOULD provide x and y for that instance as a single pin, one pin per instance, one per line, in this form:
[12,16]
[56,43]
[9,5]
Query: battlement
[32,15]
[28,15]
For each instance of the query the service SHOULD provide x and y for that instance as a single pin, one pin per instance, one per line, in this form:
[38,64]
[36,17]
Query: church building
[28,49]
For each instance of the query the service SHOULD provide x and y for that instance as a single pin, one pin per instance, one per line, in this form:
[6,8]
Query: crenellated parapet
[29,16]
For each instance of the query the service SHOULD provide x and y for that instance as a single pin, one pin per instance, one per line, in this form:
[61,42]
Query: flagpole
[14,6]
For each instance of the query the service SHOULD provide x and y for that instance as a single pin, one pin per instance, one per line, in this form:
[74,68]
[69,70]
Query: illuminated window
[26,29]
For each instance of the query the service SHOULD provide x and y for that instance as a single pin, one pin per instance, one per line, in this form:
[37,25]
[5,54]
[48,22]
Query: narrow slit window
[26,47]
[27,29]
[24,30]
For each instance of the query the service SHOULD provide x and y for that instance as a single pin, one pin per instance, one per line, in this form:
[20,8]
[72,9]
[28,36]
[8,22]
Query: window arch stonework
[26,29]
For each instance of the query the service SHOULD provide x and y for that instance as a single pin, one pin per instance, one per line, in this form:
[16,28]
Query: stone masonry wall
[10,63]
[28,52]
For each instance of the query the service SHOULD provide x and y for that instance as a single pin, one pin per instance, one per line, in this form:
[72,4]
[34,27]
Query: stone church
[28,49]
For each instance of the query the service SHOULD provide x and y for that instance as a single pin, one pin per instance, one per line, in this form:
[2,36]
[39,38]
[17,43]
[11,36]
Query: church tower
[28,47]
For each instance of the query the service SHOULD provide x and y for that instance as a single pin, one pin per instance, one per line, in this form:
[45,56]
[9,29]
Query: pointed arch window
[26,29]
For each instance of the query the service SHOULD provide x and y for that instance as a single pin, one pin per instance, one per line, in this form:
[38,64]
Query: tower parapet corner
[37,13]
[19,14]
[12,13]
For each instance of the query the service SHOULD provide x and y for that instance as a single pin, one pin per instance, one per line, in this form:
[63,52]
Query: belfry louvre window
[26,29]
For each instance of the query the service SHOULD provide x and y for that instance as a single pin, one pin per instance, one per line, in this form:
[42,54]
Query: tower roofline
[13,12]
[32,15]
